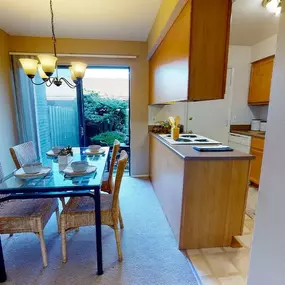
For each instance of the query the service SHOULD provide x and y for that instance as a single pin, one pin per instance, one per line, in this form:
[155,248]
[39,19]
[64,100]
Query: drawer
[257,143]
[241,139]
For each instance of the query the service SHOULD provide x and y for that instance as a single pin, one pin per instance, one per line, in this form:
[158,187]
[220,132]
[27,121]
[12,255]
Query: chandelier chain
[52,28]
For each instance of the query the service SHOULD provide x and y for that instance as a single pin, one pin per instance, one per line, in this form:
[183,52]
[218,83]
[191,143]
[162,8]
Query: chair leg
[63,241]
[121,220]
[62,201]
[118,242]
[57,219]
[43,247]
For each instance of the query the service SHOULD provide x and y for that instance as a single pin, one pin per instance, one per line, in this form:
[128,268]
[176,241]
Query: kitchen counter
[203,194]
[188,153]
[257,134]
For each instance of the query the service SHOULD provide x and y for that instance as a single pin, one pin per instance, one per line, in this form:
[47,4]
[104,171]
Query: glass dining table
[57,185]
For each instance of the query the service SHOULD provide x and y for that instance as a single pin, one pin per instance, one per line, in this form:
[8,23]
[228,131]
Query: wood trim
[263,59]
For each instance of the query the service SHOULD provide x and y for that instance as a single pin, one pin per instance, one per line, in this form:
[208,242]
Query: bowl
[56,149]
[79,166]
[32,168]
[94,147]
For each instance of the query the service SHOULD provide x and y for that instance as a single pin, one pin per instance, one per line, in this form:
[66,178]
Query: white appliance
[263,126]
[240,142]
[189,139]
[255,125]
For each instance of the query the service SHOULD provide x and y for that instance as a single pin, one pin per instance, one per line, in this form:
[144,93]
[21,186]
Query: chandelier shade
[72,74]
[47,65]
[30,66]
[78,69]
[41,72]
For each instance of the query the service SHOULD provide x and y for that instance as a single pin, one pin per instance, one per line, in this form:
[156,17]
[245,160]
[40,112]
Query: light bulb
[30,66]
[272,6]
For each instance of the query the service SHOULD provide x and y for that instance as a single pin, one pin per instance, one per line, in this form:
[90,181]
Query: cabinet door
[169,66]
[254,89]
[260,83]
[255,169]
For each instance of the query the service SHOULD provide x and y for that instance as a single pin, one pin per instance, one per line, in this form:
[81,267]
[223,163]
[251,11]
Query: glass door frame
[80,105]
[81,101]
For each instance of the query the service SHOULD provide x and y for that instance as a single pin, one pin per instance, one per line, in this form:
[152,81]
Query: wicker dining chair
[80,211]
[26,153]
[20,216]
[108,182]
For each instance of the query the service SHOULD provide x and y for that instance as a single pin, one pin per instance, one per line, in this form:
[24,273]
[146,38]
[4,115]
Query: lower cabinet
[256,149]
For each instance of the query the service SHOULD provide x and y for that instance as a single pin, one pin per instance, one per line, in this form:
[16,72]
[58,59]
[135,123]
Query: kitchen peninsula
[203,194]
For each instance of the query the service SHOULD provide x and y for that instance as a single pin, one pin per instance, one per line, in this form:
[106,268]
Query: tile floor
[226,265]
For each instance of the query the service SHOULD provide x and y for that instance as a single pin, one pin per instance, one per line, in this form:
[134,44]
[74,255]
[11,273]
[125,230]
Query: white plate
[100,151]
[51,153]
[69,171]
[21,174]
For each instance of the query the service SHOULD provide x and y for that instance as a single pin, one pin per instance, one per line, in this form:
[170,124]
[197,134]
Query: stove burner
[183,140]
[201,140]
[188,136]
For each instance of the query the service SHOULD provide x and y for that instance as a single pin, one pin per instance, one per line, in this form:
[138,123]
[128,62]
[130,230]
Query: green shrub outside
[108,138]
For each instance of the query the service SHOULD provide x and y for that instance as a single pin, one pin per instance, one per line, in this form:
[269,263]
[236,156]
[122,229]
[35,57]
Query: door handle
[81,131]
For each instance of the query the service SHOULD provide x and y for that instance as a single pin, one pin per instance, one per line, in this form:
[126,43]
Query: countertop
[257,134]
[187,152]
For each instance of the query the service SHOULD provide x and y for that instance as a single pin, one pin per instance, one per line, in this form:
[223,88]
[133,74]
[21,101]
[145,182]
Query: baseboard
[140,176]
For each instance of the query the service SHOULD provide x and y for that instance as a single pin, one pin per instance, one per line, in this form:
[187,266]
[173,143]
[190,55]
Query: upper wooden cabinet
[260,81]
[190,64]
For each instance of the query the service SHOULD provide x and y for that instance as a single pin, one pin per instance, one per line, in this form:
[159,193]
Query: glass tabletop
[56,179]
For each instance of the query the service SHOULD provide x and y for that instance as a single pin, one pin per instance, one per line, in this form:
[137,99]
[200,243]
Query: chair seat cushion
[24,208]
[87,204]
[25,215]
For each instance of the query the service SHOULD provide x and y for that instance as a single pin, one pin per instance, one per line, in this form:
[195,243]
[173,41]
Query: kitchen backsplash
[259,112]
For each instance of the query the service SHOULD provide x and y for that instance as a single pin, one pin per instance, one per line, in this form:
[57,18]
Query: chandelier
[273,6]
[46,65]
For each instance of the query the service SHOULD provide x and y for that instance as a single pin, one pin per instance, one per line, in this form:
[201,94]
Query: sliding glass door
[95,112]
[106,97]
[56,115]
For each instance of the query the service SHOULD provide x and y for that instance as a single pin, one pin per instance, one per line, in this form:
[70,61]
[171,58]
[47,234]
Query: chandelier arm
[52,28]
[70,85]
[50,80]
[37,84]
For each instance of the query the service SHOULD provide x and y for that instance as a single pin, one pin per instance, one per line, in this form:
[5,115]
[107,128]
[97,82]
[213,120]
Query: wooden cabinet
[257,146]
[203,199]
[260,81]
[190,64]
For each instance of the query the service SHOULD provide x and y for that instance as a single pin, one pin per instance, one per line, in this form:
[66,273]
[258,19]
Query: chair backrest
[116,147]
[122,162]
[23,153]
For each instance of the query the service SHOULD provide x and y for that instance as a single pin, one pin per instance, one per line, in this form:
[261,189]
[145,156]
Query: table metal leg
[3,276]
[98,231]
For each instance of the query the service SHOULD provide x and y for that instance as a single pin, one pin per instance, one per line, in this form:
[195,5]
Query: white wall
[264,49]
[7,116]
[239,60]
[268,253]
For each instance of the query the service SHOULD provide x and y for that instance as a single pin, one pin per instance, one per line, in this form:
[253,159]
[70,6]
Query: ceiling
[251,23]
[90,19]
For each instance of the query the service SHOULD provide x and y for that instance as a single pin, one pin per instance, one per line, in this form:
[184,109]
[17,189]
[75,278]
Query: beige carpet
[150,250]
